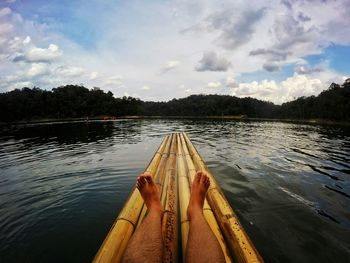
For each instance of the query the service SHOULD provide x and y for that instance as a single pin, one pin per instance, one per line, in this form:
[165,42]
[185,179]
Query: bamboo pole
[114,245]
[240,245]
[184,195]
[184,199]
[159,176]
[164,177]
[169,223]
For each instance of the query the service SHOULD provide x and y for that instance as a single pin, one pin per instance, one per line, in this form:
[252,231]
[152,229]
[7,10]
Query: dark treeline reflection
[67,139]
[74,133]
[74,101]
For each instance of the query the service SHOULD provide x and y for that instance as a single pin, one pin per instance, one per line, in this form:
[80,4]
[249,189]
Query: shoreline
[237,118]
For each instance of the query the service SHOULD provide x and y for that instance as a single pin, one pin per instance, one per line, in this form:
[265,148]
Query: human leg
[202,245]
[146,245]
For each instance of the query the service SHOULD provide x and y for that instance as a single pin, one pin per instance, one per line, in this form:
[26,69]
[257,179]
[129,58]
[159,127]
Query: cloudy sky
[274,50]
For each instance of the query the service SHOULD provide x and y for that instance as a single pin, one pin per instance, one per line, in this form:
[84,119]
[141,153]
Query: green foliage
[73,101]
[331,104]
[69,101]
[211,105]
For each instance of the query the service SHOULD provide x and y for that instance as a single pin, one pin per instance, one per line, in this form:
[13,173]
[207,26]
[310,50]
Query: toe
[149,179]
[198,176]
[203,178]
[139,183]
[142,180]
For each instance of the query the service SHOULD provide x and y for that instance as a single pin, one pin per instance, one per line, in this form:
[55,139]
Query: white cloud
[214,85]
[188,90]
[305,69]
[93,75]
[145,87]
[305,29]
[38,69]
[40,54]
[287,90]
[68,71]
[11,46]
[16,44]
[271,35]
[301,85]
[116,80]
[5,28]
[19,85]
[169,66]
[262,90]
[5,11]
[231,82]
[27,40]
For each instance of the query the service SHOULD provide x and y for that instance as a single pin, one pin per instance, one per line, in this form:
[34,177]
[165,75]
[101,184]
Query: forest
[74,101]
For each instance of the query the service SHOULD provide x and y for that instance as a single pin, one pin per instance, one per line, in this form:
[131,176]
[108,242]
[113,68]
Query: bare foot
[199,189]
[149,192]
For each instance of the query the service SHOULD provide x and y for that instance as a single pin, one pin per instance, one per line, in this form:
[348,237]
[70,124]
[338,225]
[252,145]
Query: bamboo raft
[173,167]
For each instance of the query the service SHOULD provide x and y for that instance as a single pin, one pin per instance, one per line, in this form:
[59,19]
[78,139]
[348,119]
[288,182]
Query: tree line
[74,101]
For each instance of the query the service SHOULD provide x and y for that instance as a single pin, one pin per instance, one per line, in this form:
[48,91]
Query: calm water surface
[63,184]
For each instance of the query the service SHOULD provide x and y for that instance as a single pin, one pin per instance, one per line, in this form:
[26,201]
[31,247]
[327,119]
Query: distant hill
[211,105]
[331,104]
[74,101]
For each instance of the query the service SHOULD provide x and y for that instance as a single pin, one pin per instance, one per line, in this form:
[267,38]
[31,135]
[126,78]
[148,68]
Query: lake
[63,184]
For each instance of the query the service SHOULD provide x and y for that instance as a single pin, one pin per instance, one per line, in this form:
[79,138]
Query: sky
[274,50]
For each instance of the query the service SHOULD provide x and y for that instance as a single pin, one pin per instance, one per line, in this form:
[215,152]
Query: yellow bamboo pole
[239,243]
[161,180]
[184,195]
[169,223]
[159,176]
[113,247]
[184,199]
[164,177]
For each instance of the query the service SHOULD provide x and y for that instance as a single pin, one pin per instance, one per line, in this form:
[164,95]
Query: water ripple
[62,185]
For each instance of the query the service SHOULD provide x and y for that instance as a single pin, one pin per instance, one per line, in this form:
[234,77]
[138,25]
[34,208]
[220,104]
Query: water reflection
[74,132]
[62,185]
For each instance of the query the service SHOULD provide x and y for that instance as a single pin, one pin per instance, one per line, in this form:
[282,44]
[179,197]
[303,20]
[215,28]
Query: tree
[73,101]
